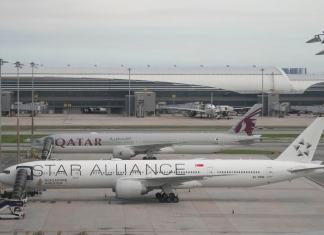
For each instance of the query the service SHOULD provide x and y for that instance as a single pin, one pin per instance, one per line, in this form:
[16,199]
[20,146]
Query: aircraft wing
[296,170]
[151,147]
[184,109]
[174,180]
[242,108]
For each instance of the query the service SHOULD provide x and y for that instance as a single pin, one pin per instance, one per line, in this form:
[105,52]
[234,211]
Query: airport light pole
[129,87]
[18,66]
[2,62]
[262,94]
[33,66]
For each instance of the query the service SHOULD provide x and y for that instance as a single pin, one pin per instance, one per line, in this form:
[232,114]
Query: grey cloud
[187,31]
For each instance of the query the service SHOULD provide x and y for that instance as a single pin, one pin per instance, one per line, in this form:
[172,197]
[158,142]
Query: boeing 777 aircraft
[133,178]
[128,145]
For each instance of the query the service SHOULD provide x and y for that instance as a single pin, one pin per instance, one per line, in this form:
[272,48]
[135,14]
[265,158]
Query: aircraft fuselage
[179,142]
[105,173]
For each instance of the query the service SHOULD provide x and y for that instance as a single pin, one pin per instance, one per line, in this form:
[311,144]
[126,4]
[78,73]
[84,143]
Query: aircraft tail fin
[246,124]
[303,148]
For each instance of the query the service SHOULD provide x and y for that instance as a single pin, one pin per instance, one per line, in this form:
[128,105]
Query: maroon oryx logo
[247,124]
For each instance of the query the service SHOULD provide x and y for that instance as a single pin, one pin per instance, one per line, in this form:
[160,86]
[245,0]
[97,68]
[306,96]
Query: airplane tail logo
[304,146]
[247,122]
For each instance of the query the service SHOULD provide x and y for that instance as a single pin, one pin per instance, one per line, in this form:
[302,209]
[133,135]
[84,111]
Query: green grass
[281,136]
[247,151]
[12,138]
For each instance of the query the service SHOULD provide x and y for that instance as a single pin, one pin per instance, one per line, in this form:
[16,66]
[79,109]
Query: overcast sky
[162,32]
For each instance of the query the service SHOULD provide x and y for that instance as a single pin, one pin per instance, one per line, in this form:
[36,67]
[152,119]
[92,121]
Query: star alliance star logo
[302,148]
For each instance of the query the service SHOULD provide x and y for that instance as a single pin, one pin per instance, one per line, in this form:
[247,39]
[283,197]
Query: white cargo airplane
[133,178]
[128,145]
[210,110]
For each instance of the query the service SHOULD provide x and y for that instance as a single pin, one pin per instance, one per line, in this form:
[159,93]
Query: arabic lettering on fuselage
[69,142]
[109,169]
[121,140]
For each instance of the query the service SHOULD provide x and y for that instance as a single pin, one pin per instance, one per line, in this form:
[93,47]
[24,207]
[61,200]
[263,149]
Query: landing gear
[167,198]
[158,195]
[149,156]
[15,201]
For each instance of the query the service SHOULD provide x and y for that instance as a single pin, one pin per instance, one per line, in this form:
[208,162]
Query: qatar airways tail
[246,124]
[134,178]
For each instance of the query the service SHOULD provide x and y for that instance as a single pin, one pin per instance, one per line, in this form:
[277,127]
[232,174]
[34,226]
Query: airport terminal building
[72,90]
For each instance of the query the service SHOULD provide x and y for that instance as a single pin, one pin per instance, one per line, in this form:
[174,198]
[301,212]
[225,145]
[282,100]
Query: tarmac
[284,208]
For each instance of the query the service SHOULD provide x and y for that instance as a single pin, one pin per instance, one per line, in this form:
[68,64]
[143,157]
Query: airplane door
[219,141]
[269,172]
[30,171]
[210,170]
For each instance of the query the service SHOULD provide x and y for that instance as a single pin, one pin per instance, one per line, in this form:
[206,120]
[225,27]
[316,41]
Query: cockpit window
[6,172]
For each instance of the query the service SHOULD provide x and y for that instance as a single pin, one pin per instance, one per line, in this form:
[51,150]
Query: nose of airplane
[37,143]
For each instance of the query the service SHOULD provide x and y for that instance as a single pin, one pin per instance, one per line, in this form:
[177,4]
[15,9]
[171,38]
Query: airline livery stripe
[199,165]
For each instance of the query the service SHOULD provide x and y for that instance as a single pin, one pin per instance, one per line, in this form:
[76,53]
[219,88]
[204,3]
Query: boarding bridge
[16,200]
[47,148]
[16,208]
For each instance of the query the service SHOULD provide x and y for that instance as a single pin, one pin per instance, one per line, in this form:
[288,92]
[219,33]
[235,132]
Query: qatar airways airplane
[133,178]
[128,145]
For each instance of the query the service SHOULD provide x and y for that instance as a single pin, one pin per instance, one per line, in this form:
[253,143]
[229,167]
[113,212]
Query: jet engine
[123,152]
[192,113]
[128,188]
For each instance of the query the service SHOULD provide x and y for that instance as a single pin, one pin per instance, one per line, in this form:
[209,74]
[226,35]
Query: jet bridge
[16,208]
[16,200]
[47,148]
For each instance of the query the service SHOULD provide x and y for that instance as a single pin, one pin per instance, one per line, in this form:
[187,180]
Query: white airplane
[128,145]
[193,109]
[134,178]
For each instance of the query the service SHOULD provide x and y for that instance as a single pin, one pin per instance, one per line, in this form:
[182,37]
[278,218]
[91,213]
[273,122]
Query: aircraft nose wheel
[167,198]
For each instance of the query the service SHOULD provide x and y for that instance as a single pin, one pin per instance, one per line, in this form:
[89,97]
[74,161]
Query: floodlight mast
[18,66]
[129,69]
[129,91]
[262,88]
[33,66]
[2,62]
